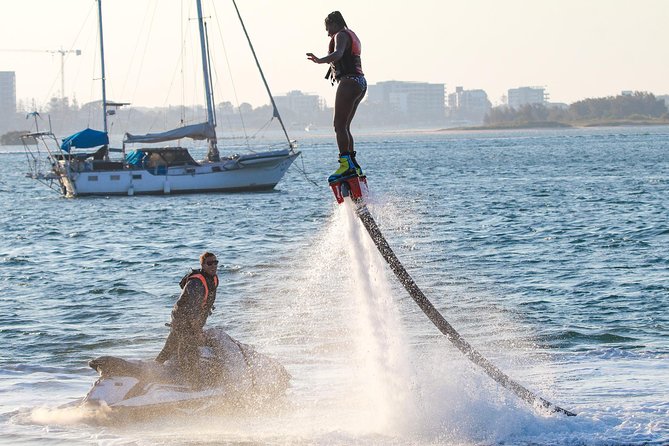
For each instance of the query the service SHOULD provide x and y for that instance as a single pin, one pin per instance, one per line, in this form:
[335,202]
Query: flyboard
[355,188]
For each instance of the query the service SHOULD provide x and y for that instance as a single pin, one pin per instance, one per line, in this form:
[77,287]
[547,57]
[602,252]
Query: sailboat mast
[102,64]
[212,154]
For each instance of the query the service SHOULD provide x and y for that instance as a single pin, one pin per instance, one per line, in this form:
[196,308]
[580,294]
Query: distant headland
[636,109]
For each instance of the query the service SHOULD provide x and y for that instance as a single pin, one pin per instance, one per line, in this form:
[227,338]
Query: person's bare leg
[357,101]
[346,102]
[358,169]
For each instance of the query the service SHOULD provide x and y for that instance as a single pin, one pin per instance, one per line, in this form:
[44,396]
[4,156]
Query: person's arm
[341,41]
[197,292]
[189,306]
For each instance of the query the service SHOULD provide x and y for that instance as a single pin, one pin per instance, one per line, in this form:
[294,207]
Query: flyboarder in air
[346,69]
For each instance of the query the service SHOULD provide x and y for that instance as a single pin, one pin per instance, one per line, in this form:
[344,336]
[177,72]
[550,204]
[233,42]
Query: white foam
[385,375]
[71,415]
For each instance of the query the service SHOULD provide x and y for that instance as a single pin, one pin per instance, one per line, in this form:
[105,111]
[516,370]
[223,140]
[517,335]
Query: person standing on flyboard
[346,69]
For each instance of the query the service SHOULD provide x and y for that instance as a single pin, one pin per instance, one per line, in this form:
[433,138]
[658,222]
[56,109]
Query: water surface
[547,250]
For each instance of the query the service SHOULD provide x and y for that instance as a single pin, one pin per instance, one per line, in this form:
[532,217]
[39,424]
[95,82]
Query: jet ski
[236,374]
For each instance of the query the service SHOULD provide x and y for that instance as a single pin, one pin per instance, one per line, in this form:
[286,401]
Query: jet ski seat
[112,366]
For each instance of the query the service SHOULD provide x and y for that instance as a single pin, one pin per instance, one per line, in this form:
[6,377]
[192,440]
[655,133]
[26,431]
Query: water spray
[356,189]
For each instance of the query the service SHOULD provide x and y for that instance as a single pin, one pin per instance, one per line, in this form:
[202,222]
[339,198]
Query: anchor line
[441,323]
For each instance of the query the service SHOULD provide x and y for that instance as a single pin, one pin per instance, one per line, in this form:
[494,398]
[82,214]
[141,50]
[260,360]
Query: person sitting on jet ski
[189,316]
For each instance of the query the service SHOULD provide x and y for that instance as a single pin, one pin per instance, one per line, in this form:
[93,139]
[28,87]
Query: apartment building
[527,95]
[417,100]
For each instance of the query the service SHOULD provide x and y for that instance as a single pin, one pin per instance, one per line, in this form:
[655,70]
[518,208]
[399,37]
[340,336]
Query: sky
[573,48]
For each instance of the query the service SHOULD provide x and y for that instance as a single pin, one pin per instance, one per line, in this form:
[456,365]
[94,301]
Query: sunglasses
[212,262]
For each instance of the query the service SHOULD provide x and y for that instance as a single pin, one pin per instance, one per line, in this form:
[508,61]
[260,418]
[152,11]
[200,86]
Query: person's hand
[313,58]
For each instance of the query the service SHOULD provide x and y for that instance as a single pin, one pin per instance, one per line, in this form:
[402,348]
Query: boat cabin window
[155,160]
[168,157]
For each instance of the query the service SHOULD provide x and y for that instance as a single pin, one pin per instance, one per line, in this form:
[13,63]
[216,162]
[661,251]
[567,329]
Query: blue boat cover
[135,157]
[84,139]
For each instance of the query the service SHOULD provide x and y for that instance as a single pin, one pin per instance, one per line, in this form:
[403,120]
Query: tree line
[635,106]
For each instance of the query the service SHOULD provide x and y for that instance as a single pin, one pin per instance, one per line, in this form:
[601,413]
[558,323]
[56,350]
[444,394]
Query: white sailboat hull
[253,172]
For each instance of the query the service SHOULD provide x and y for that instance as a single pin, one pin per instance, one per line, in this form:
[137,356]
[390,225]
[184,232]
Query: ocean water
[547,250]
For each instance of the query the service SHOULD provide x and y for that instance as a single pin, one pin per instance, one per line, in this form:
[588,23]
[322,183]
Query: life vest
[350,63]
[208,297]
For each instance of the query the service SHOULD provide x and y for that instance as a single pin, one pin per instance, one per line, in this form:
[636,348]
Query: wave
[568,339]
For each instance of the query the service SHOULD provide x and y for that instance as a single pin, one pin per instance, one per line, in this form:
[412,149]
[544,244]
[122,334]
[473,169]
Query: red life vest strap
[204,284]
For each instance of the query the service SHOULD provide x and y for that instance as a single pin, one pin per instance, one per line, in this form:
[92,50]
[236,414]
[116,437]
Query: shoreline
[381,131]
[557,125]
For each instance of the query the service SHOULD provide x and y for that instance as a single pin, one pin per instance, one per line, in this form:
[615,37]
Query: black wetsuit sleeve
[186,312]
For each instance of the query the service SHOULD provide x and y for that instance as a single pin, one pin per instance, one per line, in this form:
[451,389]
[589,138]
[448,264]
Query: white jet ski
[236,374]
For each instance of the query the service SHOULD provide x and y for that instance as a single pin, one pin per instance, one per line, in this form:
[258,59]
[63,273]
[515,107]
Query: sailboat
[163,170]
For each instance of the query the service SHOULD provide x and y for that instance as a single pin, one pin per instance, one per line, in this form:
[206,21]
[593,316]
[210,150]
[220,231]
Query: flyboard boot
[348,180]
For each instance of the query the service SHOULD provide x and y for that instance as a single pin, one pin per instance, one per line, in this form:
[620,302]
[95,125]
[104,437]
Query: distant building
[468,105]
[7,97]
[527,95]
[302,105]
[418,101]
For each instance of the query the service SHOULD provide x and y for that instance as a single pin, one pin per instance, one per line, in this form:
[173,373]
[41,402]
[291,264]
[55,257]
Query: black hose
[442,324]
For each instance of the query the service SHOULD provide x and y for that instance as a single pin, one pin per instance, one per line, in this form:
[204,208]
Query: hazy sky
[574,48]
